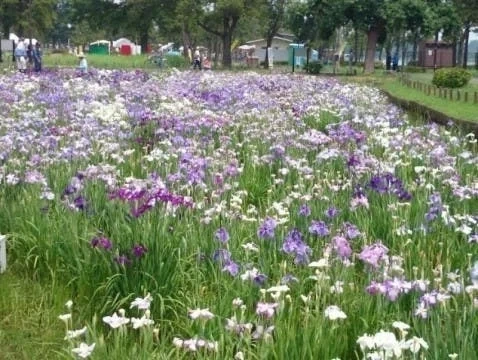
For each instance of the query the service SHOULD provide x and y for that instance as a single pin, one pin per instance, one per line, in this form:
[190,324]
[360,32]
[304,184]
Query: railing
[466,96]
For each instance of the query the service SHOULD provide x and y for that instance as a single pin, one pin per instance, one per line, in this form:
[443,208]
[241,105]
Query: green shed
[101,47]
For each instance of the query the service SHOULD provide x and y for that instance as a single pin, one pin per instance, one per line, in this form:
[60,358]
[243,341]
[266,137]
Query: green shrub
[414,69]
[313,67]
[377,64]
[451,78]
[176,61]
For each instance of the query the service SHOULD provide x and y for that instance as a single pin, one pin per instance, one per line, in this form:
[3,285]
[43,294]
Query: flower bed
[239,216]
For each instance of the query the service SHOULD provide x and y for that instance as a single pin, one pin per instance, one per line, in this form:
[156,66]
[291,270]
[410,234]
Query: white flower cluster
[116,321]
[385,345]
[82,350]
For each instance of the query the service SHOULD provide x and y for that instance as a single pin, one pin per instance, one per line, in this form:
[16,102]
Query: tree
[442,20]
[467,11]
[27,17]
[61,30]
[221,18]
[274,11]
[371,16]
[135,18]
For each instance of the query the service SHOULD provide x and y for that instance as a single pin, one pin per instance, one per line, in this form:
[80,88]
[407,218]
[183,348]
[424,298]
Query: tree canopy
[224,23]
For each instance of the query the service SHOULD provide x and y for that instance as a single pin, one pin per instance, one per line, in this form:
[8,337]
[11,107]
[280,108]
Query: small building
[99,47]
[427,57]
[280,47]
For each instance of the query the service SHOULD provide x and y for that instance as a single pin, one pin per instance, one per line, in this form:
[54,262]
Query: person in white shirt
[21,56]
[83,67]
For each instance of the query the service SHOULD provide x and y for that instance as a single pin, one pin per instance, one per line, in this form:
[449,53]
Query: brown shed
[426,54]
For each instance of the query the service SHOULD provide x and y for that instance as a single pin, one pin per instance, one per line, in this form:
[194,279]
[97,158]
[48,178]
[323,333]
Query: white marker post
[270,57]
[3,253]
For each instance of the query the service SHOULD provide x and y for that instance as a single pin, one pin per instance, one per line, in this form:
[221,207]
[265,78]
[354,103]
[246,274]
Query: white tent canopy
[168,47]
[246,47]
[122,41]
[15,38]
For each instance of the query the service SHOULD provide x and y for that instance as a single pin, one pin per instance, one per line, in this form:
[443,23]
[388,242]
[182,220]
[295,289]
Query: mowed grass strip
[29,324]
[456,109]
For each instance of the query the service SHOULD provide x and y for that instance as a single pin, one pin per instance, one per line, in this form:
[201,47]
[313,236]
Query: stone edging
[433,115]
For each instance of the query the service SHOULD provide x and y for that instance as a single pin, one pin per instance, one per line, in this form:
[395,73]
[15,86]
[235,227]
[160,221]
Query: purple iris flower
[80,203]
[260,279]
[231,267]
[331,212]
[304,210]
[222,235]
[222,256]
[319,228]
[342,247]
[101,242]
[267,228]
[351,231]
[139,250]
[373,254]
[294,245]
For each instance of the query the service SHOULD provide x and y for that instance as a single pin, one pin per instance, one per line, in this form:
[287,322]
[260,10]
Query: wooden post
[3,253]
[439,92]
[476,98]
[466,96]
[458,95]
[434,91]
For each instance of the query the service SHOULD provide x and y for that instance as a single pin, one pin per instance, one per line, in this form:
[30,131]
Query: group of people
[198,62]
[28,57]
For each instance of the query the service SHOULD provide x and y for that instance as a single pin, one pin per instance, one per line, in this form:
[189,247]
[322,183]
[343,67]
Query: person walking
[37,56]
[30,57]
[20,56]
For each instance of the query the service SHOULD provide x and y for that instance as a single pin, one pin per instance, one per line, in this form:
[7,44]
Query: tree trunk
[454,53]
[144,39]
[226,50]
[372,37]
[186,41]
[404,51]
[229,25]
[465,46]
[356,49]
[216,52]
[388,56]
[268,45]
[415,48]
[459,52]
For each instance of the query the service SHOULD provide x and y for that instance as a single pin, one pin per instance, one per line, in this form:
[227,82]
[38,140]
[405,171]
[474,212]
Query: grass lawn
[390,83]
[29,321]
[427,77]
